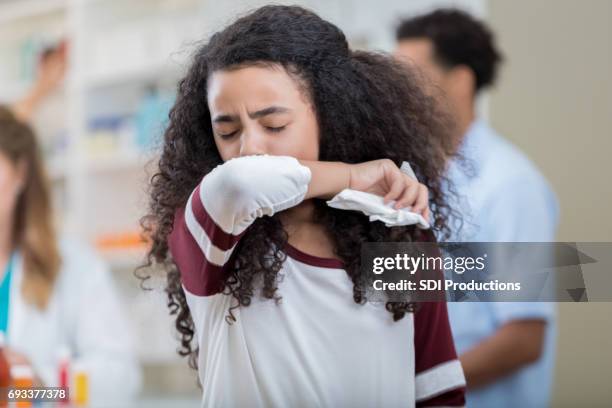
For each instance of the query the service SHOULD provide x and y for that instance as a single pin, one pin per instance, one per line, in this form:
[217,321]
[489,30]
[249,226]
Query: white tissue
[406,169]
[374,207]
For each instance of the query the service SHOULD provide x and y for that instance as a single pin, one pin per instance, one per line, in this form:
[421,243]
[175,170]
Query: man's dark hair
[458,39]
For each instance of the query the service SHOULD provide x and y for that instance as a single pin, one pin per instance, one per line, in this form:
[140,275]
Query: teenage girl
[275,116]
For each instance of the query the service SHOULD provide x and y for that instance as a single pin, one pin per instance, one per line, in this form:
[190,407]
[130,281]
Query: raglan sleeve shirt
[439,376]
[221,208]
[439,381]
[229,199]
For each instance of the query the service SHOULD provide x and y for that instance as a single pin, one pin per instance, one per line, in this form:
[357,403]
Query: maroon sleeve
[194,243]
[439,376]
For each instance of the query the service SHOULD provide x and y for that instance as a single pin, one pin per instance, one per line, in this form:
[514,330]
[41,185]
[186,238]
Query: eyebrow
[254,115]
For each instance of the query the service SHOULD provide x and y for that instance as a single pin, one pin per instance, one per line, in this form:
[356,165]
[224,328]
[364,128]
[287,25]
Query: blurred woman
[54,294]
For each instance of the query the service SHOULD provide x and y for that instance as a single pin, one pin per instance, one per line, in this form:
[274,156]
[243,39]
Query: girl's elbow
[235,182]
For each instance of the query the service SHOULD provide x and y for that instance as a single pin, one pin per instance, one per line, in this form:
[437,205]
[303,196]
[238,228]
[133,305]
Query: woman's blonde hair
[33,231]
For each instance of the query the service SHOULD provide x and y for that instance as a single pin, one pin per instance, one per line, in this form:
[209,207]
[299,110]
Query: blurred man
[507,349]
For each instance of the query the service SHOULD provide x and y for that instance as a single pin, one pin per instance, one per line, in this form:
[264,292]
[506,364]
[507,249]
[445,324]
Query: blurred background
[100,131]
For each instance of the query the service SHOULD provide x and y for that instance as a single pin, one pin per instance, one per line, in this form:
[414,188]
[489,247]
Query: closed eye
[227,135]
[275,129]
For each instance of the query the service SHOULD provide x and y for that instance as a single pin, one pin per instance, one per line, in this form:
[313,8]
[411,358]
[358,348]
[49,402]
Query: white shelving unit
[118,49]
[110,78]
[15,10]
[100,188]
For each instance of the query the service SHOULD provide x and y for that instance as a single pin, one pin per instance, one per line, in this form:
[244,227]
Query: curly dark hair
[367,106]
[459,39]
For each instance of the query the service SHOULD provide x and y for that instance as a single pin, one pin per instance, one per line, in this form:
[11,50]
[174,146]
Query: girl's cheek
[299,146]
[305,143]
[312,149]
[227,150]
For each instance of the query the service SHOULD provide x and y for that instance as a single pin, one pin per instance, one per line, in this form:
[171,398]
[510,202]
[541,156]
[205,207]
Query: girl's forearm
[328,178]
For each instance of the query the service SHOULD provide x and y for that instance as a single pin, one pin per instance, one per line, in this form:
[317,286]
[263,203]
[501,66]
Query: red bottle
[64,372]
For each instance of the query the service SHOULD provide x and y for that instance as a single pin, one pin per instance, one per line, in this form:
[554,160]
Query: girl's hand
[384,178]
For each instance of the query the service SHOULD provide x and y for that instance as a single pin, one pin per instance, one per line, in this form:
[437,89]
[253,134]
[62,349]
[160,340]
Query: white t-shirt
[317,347]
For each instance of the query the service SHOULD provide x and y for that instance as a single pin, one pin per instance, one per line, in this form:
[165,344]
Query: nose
[251,143]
